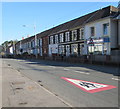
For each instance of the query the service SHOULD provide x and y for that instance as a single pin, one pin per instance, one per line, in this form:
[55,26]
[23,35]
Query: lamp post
[35,40]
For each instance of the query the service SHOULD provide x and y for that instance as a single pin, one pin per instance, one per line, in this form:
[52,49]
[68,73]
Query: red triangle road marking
[87,86]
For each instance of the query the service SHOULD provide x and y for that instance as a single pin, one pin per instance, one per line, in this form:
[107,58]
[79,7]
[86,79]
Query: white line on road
[52,66]
[116,79]
[82,72]
[66,69]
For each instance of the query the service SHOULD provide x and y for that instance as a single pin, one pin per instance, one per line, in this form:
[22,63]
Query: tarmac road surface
[80,85]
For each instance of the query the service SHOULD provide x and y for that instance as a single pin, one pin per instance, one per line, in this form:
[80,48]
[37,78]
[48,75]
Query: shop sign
[93,41]
[106,39]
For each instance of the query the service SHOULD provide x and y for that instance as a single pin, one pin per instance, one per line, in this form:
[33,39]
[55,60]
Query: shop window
[67,36]
[105,29]
[105,47]
[98,49]
[95,49]
[74,35]
[91,49]
[82,33]
[92,31]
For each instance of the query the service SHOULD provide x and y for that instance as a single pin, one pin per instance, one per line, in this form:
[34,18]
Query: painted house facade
[97,33]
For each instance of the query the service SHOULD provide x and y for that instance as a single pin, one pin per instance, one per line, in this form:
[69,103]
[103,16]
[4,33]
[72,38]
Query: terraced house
[94,33]
[97,33]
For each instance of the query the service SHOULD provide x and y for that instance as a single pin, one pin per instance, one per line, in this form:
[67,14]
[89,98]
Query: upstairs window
[74,35]
[82,33]
[56,39]
[40,42]
[92,31]
[67,36]
[105,29]
[61,37]
[51,39]
[29,44]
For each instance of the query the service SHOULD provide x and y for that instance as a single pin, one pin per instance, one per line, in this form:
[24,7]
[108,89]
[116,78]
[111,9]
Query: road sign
[87,86]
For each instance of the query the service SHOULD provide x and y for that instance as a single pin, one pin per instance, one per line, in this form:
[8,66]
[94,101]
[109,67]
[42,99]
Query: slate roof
[109,11]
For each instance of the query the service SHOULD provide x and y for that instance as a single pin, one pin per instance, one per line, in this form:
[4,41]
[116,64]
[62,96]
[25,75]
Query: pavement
[20,91]
[50,77]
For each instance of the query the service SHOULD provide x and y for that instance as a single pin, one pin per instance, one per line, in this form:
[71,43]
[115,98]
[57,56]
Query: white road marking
[82,72]
[66,69]
[77,71]
[52,66]
[116,79]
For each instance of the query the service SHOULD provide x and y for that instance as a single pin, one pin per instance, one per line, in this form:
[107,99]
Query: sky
[20,19]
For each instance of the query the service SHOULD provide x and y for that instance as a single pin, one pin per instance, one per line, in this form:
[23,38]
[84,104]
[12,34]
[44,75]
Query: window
[92,30]
[74,49]
[32,44]
[61,49]
[82,33]
[95,49]
[29,44]
[61,37]
[51,39]
[56,39]
[40,42]
[74,35]
[105,29]
[67,50]
[81,46]
[67,36]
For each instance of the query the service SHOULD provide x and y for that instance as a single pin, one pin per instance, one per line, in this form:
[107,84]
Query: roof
[99,14]
[109,11]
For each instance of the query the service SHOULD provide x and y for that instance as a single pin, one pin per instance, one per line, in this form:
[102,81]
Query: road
[56,77]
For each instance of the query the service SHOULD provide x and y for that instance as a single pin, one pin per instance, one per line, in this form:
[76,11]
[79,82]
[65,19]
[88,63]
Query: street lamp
[35,40]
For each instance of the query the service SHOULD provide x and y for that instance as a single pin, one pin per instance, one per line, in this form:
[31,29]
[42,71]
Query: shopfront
[99,46]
